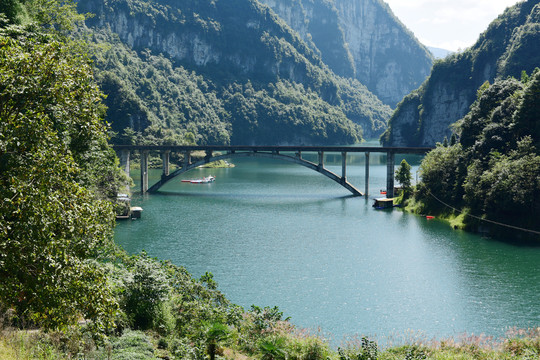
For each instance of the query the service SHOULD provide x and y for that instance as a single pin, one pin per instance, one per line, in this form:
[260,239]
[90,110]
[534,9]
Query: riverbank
[414,206]
[464,220]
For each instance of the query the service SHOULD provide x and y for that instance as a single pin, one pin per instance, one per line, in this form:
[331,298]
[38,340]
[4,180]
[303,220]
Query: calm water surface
[274,233]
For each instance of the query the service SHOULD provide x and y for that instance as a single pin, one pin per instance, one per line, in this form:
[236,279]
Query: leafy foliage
[51,224]
[146,288]
[368,351]
[403,174]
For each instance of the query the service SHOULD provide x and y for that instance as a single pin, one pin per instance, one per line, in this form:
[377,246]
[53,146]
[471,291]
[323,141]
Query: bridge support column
[343,166]
[390,174]
[299,154]
[187,159]
[366,193]
[124,161]
[321,159]
[144,171]
[165,156]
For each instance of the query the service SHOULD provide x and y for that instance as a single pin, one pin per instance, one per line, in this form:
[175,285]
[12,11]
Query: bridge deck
[230,148]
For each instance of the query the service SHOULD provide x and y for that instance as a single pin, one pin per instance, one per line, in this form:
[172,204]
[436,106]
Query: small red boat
[429,217]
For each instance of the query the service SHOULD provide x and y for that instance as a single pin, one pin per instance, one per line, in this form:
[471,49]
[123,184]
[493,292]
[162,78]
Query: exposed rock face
[388,58]
[361,39]
[425,116]
[192,37]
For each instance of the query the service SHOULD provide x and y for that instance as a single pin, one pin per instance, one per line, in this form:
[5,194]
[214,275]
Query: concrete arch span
[297,159]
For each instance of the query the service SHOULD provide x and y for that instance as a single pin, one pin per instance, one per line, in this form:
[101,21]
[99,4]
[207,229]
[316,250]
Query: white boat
[204,180]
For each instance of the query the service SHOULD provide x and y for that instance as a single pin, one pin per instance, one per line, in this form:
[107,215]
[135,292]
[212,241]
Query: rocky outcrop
[360,39]
[243,38]
[425,117]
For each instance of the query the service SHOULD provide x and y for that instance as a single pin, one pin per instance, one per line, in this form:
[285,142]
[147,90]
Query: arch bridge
[287,153]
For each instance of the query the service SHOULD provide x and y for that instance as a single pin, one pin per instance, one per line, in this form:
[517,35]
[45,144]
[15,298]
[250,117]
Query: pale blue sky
[448,24]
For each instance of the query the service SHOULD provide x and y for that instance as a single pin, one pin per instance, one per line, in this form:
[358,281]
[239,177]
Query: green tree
[453,139]
[146,289]
[403,174]
[11,9]
[58,16]
[52,228]
[216,333]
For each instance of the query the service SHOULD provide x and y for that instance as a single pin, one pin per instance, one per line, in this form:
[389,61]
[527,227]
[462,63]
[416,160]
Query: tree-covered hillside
[221,72]
[510,45]
[493,172]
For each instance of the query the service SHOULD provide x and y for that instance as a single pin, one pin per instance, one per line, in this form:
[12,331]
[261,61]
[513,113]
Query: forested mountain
[361,39]
[492,173]
[510,45]
[217,72]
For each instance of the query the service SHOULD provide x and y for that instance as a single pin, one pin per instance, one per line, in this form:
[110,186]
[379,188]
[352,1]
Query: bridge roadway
[287,153]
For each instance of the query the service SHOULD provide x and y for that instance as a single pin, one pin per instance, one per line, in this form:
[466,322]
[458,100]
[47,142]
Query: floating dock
[383,203]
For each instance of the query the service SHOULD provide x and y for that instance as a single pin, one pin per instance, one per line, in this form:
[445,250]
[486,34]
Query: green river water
[274,233]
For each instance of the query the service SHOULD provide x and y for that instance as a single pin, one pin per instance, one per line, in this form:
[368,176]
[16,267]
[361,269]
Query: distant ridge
[439,53]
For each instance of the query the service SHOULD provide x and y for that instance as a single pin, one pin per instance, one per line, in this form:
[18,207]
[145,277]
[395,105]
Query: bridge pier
[124,161]
[321,159]
[390,174]
[187,159]
[343,166]
[208,154]
[366,192]
[144,171]
[165,156]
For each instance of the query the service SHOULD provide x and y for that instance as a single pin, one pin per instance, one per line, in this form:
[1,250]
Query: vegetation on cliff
[510,45]
[492,173]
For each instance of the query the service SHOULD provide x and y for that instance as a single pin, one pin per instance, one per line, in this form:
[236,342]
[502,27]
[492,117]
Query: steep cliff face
[361,39]
[244,38]
[387,57]
[246,55]
[509,46]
